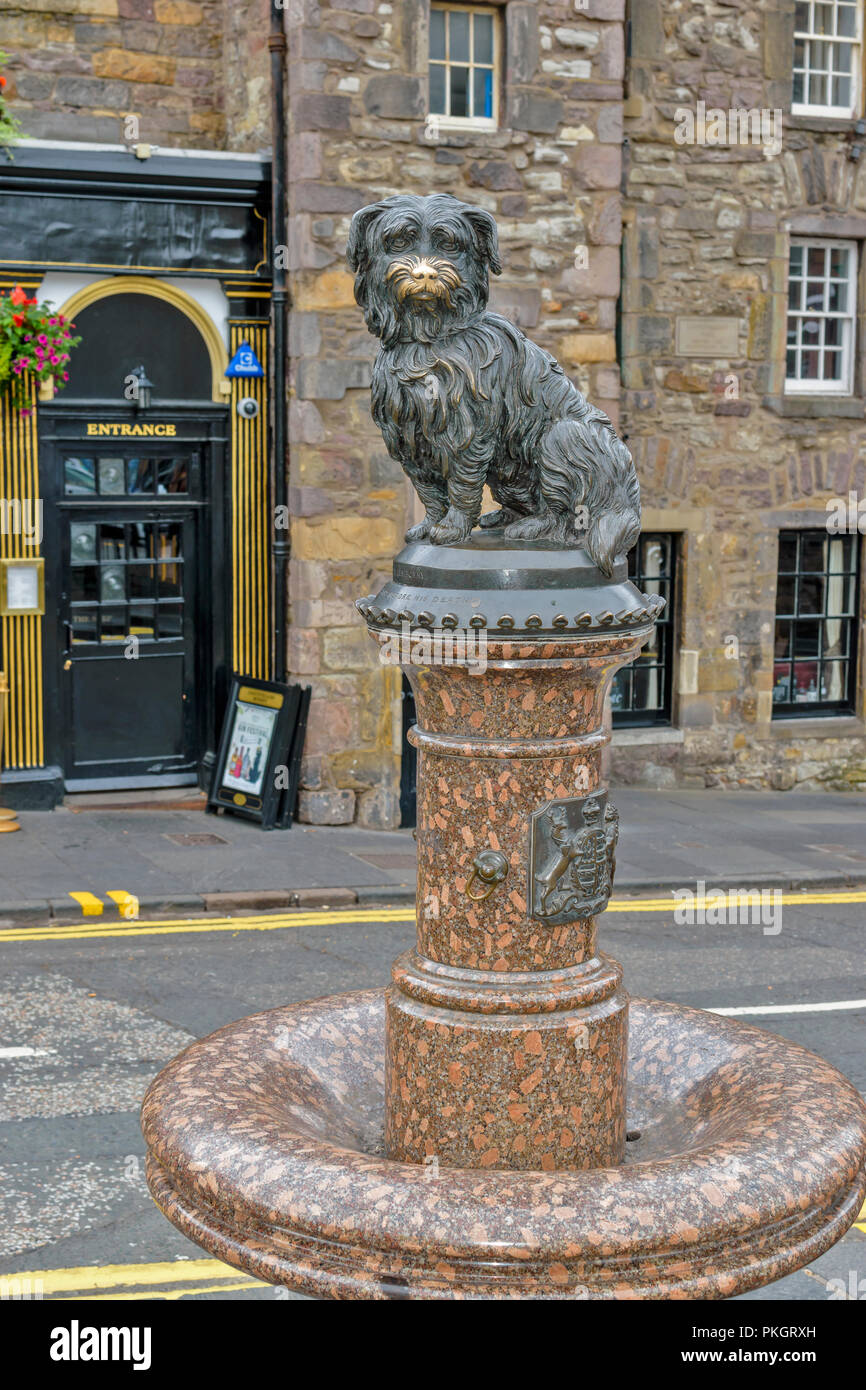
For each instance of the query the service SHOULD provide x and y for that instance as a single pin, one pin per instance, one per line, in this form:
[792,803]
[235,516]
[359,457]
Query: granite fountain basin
[266,1148]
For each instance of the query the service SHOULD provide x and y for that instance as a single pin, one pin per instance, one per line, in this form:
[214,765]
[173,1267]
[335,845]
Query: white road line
[9,1052]
[793,1008]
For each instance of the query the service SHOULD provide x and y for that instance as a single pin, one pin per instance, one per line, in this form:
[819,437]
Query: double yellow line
[127,1282]
[280,921]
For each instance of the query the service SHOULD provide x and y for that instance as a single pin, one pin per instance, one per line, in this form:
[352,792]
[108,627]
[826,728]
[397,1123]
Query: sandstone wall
[707,232]
[194,72]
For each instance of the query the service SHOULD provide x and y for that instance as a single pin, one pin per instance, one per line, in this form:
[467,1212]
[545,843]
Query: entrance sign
[256,765]
[150,429]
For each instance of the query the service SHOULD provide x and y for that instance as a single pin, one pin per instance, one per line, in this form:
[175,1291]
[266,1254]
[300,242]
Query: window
[816,623]
[464,65]
[822,278]
[641,693]
[827,37]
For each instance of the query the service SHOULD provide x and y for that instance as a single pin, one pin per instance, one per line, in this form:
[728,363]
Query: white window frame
[815,386]
[856,42]
[468,122]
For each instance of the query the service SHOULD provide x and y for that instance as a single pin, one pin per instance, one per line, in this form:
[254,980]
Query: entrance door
[130,518]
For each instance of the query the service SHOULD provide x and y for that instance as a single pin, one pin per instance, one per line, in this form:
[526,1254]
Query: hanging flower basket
[35,344]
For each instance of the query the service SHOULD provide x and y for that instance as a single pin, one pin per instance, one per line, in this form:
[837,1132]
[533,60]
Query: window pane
[483,52]
[846,20]
[782,644]
[805,682]
[787,552]
[437,33]
[807,636]
[111,480]
[82,543]
[111,542]
[786,591]
[171,475]
[823,20]
[818,89]
[112,584]
[140,581]
[437,89]
[839,256]
[812,594]
[795,294]
[841,94]
[796,260]
[482,93]
[459,91]
[83,583]
[813,552]
[782,683]
[113,626]
[83,622]
[798,92]
[832,366]
[815,295]
[458,36]
[837,301]
[170,622]
[139,475]
[79,477]
[142,621]
[834,681]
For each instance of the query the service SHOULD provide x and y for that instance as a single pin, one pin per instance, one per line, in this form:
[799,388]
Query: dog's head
[421,264]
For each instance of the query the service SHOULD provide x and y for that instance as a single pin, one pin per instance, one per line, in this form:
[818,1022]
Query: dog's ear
[486,237]
[358,245]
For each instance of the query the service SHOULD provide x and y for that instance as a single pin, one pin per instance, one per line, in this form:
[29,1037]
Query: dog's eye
[398,241]
[446,241]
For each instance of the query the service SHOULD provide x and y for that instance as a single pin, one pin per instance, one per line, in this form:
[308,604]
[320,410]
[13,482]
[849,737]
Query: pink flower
[65,376]
[54,359]
[43,339]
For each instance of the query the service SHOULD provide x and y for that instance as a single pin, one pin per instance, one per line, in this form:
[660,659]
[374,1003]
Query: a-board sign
[257,767]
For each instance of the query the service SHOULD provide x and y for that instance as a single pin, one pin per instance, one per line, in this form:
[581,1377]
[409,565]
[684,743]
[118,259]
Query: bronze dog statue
[463,398]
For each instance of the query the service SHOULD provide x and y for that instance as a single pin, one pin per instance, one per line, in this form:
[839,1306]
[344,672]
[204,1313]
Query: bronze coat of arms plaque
[572,848]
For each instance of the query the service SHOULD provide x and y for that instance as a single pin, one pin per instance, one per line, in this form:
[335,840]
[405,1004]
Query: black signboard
[258,764]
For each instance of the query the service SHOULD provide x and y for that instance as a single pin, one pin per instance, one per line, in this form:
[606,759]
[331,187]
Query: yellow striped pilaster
[251,521]
[21,637]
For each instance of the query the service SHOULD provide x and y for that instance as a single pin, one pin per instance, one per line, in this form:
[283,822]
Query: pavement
[90,1013]
[173,858]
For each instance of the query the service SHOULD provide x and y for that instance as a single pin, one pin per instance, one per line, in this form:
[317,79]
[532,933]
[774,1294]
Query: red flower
[2,81]
[31,301]
[18,319]
[18,296]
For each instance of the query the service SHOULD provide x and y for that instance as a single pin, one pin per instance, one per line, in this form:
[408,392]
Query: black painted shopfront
[155,536]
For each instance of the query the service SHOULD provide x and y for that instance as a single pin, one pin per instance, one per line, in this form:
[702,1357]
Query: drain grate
[200,839]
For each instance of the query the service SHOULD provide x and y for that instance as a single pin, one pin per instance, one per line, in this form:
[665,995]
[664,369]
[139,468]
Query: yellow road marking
[165,1294]
[280,921]
[90,905]
[127,903]
[81,1279]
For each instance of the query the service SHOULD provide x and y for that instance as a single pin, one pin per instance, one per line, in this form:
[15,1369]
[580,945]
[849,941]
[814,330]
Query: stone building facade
[727,455]
[628,253]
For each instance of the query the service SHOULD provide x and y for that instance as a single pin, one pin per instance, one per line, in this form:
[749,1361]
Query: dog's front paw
[419,532]
[454,526]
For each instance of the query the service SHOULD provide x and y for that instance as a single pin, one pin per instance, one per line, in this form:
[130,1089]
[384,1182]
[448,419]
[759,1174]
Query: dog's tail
[587,467]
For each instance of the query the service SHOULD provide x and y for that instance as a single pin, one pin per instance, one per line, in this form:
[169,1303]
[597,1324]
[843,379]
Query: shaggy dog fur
[463,398]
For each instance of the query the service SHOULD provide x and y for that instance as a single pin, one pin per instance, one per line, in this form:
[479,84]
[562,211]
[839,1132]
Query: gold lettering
[91,429]
[126,429]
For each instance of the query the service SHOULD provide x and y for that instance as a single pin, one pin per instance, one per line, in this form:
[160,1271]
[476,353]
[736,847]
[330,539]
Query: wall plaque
[707,335]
